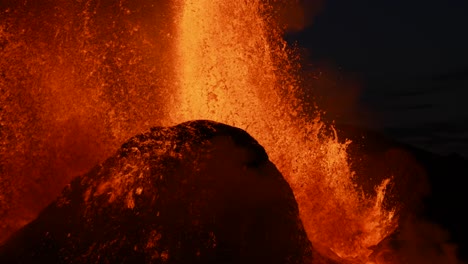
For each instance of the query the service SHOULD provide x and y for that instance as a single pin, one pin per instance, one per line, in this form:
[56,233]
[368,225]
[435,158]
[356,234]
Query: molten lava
[94,73]
[235,68]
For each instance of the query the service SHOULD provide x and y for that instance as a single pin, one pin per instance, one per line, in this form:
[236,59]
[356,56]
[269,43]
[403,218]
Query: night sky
[402,66]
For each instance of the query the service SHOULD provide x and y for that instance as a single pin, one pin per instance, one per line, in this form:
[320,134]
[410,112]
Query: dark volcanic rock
[199,192]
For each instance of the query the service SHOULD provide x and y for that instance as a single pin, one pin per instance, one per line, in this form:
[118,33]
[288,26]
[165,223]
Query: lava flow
[90,74]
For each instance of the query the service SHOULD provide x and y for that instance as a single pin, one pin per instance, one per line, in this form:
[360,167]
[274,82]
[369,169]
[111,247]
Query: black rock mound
[198,192]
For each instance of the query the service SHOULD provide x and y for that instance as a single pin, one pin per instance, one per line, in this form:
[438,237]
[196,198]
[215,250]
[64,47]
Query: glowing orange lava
[235,68]
[82,77]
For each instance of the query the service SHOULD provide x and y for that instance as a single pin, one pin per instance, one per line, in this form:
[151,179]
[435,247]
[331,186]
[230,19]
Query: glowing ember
[235,69]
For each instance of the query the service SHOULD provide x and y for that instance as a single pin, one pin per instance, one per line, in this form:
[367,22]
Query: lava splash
[235,68]
[77,81]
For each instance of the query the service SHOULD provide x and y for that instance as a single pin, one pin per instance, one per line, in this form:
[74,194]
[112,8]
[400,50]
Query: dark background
[394,75]
[400,67]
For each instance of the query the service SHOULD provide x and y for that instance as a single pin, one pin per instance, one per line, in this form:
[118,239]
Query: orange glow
[77,81]
[235,68]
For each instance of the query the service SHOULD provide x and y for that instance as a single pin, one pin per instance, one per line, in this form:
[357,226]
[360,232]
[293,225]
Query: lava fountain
[77,81]
[235,68]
